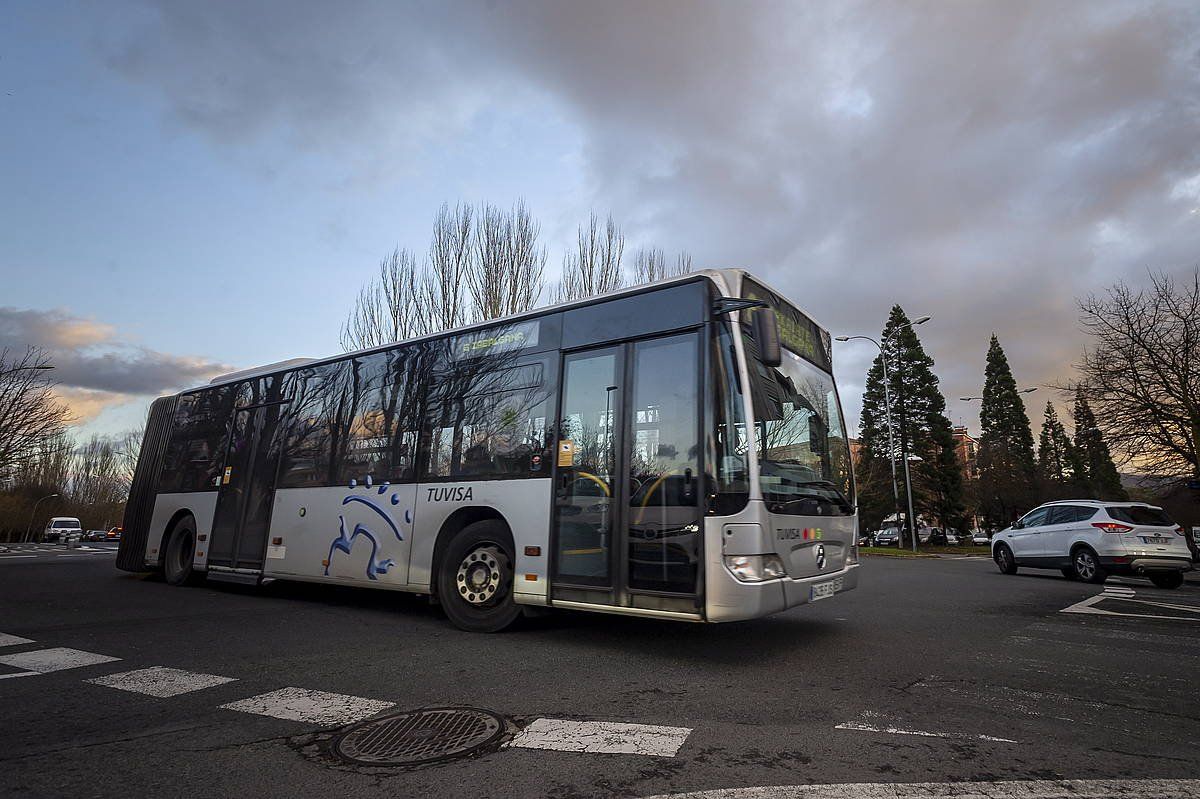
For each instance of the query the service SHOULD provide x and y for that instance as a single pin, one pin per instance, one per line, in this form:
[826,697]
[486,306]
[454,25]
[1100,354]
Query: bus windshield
[803,454]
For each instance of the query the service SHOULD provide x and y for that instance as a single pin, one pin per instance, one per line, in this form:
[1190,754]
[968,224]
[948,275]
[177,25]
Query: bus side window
[196,450]
[489,423]
[317,426]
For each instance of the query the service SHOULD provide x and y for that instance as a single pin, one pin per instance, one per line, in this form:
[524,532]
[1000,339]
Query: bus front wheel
[180,552]
[475,578]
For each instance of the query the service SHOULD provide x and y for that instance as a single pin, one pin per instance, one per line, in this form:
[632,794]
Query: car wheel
[1005,560]
[180,552]
[1069,573]
[1166,579]
[1087,566]
[475,578]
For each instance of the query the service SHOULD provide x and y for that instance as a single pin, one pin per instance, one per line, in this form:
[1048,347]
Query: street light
[887,408]
[33,513]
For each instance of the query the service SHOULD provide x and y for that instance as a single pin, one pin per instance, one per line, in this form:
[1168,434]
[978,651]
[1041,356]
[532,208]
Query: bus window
[196,450]
[498,427]
[319,418]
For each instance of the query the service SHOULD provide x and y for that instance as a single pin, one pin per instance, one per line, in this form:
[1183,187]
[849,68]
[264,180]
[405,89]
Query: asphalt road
[933,671]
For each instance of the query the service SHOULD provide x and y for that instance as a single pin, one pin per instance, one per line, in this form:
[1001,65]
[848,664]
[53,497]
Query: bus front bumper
[729,599]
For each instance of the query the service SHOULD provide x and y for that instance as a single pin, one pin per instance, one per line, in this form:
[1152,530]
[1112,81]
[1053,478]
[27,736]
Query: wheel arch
[455,523]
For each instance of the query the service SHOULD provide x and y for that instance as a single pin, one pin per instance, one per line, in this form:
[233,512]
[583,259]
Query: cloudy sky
[189,187]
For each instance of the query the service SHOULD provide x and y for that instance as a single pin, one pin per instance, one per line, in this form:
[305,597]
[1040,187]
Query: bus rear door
[242,517]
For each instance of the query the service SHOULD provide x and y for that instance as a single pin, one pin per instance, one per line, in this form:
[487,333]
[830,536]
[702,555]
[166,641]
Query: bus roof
[727,280]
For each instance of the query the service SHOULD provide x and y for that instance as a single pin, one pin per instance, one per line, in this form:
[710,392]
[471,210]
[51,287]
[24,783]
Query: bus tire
[180,552]
[475,578]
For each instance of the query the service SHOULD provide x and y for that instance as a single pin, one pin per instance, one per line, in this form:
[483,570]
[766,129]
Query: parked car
[62,528]
[887,537]
[114,534]
[980,538]
[865,537]
[936,536]
[1088,540]
[94,535]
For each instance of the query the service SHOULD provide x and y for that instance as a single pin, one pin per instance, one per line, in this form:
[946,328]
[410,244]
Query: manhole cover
[419,736]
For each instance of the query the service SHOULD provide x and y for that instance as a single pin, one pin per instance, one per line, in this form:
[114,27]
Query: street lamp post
[887,409]
[32,513]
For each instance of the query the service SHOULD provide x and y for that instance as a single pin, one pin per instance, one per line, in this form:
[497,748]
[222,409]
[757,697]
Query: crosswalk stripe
[43,661]
[13,640]
[601,737]
[160,681]
[314,707]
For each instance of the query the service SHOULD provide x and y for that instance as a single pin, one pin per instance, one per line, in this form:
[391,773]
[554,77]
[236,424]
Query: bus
[675,450]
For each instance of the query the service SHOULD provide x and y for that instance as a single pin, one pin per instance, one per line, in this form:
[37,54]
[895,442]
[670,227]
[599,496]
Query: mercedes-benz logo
[819,552]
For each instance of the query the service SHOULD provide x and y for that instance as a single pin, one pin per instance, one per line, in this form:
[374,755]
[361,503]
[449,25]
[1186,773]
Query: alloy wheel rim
[1083,563]
[480,575]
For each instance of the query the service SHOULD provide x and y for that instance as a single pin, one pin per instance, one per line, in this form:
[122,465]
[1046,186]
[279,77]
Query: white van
[62,528]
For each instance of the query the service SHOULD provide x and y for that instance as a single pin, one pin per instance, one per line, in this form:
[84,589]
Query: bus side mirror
[766,336]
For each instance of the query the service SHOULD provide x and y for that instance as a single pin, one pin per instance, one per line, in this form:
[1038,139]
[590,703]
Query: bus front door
[628,484]
[243,513]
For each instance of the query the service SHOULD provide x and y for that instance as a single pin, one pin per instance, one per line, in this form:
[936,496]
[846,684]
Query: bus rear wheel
[180,552]
[475,578]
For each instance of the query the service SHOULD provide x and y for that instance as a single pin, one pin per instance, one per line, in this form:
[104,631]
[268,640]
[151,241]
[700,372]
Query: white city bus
[674,450]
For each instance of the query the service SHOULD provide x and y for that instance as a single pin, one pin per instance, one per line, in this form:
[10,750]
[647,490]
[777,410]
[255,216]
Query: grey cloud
[89,355]
[984,162]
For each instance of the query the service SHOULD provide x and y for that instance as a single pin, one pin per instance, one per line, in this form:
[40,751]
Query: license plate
[825,590]
[1155,539]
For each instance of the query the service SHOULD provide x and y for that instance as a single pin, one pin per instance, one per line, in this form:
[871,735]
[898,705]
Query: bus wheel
[180,552]
[475,578]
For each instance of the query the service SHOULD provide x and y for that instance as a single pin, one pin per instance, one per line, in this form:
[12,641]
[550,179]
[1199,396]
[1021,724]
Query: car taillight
[1112,527]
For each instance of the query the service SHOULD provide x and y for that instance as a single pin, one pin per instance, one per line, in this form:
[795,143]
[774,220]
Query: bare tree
[96,473]
[505,275]
[595,266]
[442,288]
[48,466]
[650,265]
[1141,373]
[129,446]
[30,414]
[388,308]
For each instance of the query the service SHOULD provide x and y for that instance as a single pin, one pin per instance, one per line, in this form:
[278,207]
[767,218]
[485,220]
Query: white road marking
[160,681]
[1032,789]
[603,737]
[1088,606]
[13,640]
[56,659]
[315,707]
[18,674]
[860,727]
[16,557]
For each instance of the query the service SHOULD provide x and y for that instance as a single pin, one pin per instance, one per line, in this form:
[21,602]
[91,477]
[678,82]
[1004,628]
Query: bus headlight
[755,568]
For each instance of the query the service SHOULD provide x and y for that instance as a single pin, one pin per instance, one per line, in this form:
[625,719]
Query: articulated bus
[674,450]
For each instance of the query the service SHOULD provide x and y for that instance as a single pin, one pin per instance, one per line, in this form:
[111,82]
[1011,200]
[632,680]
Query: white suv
[1089,540]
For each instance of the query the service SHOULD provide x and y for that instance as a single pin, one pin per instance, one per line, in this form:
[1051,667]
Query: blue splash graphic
[345,542]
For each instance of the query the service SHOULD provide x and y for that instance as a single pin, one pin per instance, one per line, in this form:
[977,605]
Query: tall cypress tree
[1103,480]
[920,429]
[1057,462]
[1007,470]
